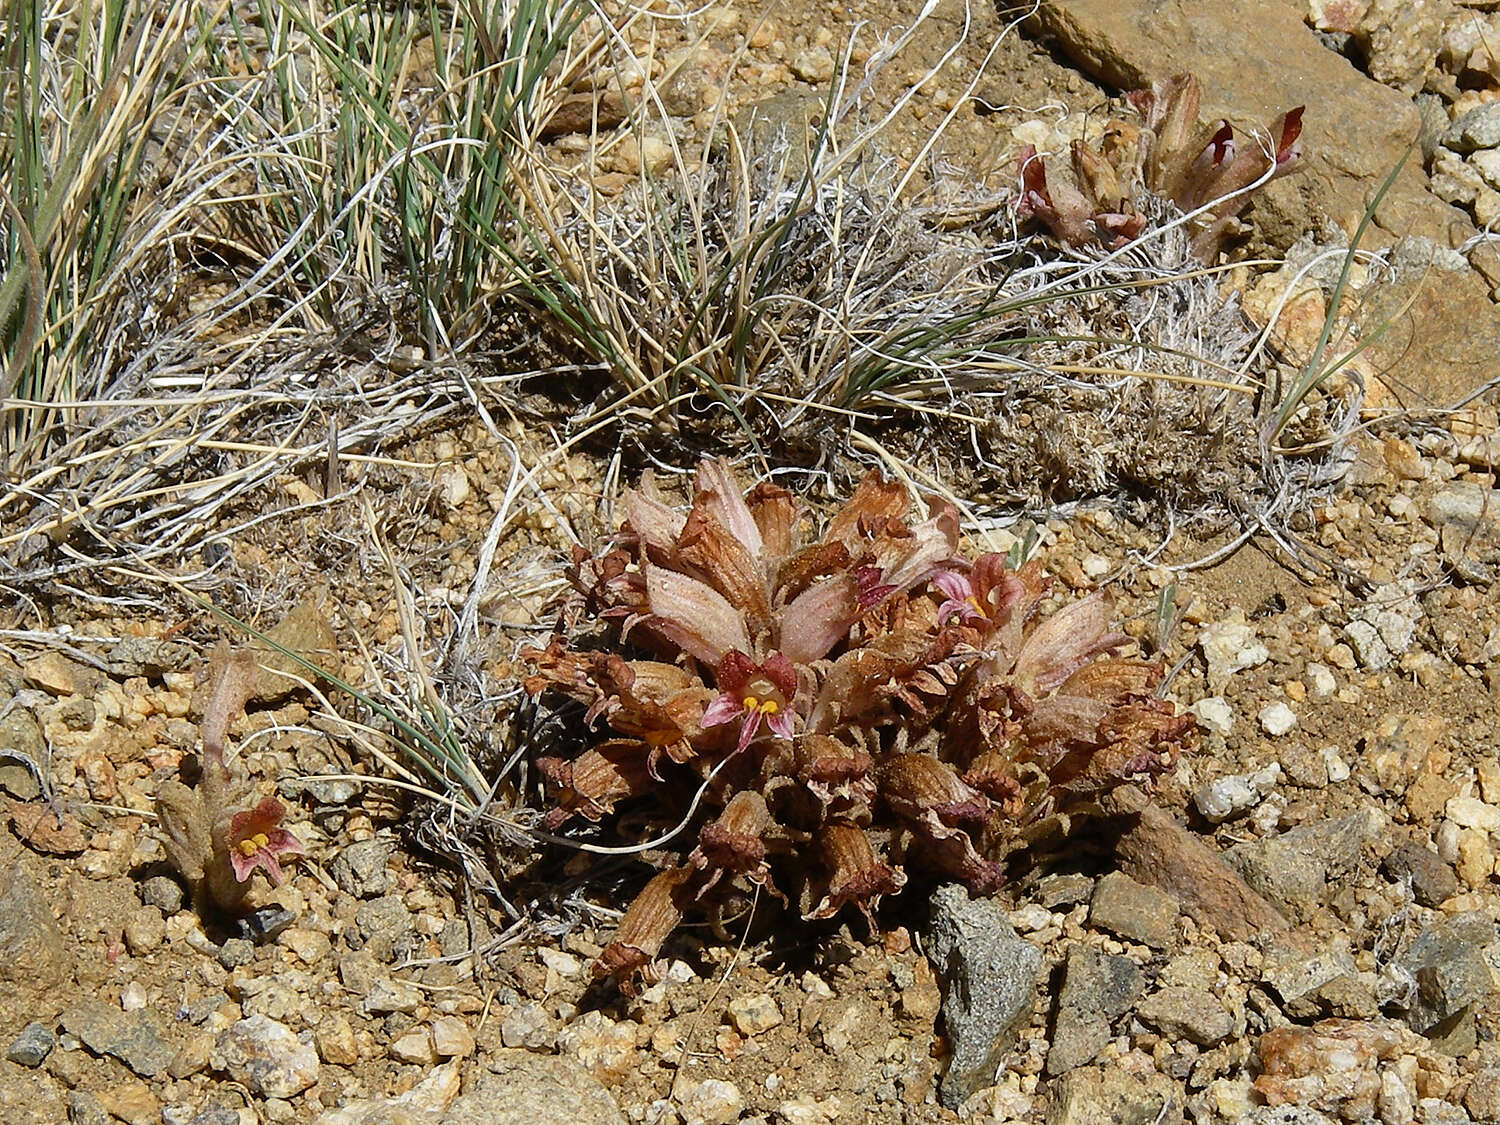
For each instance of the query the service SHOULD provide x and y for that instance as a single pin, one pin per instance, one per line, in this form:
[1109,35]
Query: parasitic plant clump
[815,714]
[212,834]
[1167,153]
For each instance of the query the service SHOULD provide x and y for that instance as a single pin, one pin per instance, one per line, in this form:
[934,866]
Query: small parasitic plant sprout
[212,834]
[1172,156]
[830,709]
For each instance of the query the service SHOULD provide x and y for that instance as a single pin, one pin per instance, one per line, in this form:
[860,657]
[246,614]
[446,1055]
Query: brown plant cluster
[1167,153]
[827,711]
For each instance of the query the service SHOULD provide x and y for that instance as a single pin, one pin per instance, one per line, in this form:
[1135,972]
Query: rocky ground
[1307,931]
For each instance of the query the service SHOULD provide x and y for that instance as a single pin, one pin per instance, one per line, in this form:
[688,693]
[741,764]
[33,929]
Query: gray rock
[1133,911]
[1451,971]
[521,1088]
[1371,651]
[989,981]
[528,1026]
[1432,880]
[453,938]
[1467,519]
[1283,872]
[1064,890]
[1292,869]
[1482,1099]
[1479,128]
[85,1109]
[164,893]
[1299,970]
[1286,1115]
[1184,1012]
[1095,1095]
[266,924]
[138,1039]
[21,735]
[147,656]
[32,1045]
[359,869]
[330,792]
[236,952]
[32,954]
[1396,38]
[386,995]
[383,916]
[267,1057]
[1097,988]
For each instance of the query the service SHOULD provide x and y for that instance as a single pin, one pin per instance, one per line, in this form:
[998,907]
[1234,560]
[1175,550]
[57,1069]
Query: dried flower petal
[1061,644]
[819,619]
[693,615]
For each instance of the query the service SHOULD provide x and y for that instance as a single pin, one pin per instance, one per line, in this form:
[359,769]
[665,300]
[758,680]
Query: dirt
[408,979]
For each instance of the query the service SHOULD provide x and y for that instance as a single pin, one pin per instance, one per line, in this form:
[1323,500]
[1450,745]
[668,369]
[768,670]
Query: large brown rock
[1254,62]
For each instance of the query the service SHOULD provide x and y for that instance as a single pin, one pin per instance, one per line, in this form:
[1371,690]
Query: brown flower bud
[827,765]
[590,785]
[734,840]
[916,785]
[854,873]
[650,918]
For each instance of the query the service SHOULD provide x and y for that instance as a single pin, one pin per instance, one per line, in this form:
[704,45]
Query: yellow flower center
[762,696]
[973,600]
[252,844]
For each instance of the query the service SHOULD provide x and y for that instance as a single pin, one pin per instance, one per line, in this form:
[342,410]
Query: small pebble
[266,924]
[815,64]
[1338,769]
[1095,566]
[451,1037]
[415,1047]
[266,1057]
[1470,812]
[145,930]
[32,1046]
[1224,797]
[1277,719]
[192,1057]
[528,1026]
[711,1102]
[1214,714]
[133,997]
[334,1039]
[752,1015]
[162,892]
[562,963]
[236,952]
[1320,680]
[310,946]
[1031,918]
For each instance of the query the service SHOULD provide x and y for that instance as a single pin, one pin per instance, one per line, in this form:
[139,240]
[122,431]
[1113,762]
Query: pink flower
[959,592]
[751,692]
[256,838]
[986,596]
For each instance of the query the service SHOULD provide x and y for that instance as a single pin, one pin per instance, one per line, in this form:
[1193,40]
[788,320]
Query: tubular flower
[256,839]
[751,692]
